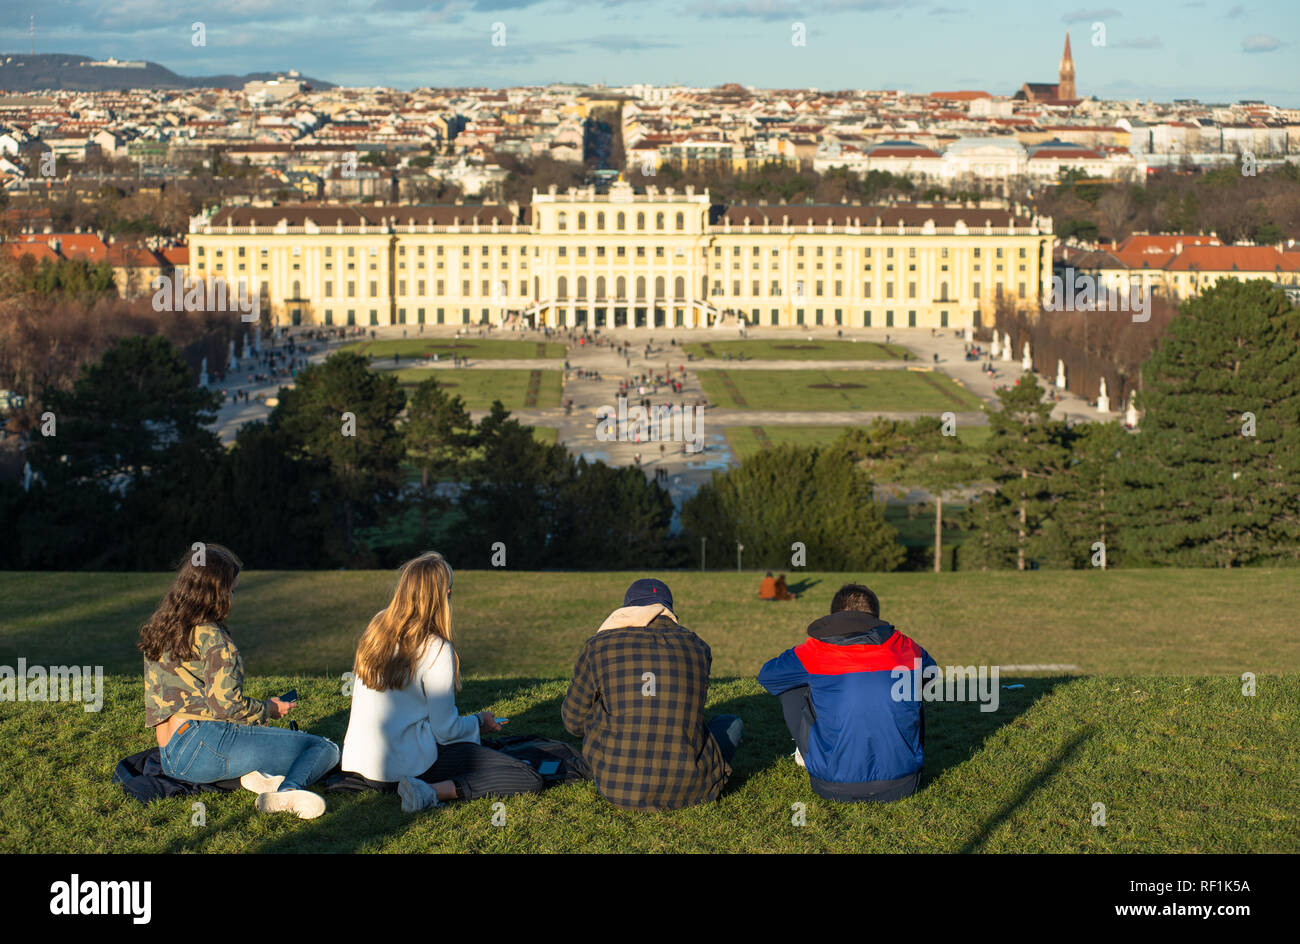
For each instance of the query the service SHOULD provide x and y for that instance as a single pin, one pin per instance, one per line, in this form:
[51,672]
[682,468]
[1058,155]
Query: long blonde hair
[397,636]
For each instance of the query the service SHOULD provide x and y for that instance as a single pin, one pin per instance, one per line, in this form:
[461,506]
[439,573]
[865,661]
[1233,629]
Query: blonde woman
[405,730]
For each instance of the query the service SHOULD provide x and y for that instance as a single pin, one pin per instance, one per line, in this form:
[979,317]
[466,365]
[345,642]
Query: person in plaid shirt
[637,701]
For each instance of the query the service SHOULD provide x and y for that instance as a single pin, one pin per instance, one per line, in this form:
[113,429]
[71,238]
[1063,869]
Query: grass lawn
[883,390]
[479,387]
[473,348]
[1155,725]
[747,440]
[794,349]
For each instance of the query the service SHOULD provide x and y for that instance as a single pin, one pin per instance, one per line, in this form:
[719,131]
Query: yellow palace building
[650,259]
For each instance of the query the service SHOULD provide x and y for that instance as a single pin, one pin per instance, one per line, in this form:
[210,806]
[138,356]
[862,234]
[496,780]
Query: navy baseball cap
[648,591]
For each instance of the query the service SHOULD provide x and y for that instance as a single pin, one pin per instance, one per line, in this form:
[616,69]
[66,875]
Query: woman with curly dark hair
[207,728]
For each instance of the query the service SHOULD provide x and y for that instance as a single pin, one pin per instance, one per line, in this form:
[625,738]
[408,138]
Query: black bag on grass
[556,761]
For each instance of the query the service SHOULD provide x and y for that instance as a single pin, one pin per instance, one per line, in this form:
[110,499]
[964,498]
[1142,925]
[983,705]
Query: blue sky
[1206,49]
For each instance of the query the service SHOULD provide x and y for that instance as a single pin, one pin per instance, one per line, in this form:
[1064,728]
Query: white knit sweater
[396,734]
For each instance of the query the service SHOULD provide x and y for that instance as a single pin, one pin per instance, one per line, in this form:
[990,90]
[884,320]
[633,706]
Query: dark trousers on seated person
[477,771]
[797,706]
[718,727]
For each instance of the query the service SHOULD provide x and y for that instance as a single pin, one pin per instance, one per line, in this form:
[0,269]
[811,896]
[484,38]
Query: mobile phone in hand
[290,695]
[501,720]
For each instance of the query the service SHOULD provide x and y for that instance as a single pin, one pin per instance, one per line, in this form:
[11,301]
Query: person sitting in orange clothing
[767,587]
[782,591]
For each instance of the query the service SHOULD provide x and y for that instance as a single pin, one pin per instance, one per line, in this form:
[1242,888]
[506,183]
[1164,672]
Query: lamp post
[739,547]
[703,541]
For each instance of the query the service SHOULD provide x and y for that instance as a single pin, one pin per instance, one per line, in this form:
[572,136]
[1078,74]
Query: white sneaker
[260,783]
[798,758]
[416,795]
[304,803]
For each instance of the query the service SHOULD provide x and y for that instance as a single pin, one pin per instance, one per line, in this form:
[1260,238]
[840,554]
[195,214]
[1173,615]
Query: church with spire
[1058,93]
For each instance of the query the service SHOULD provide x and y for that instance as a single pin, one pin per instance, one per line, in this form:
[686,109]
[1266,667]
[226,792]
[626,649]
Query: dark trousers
[477,771]
[718,728]
[797,707]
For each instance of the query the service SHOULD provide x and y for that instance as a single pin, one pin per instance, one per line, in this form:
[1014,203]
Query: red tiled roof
[1232,258]
[1165,244]
[85,246]
[38,251]
[128,256]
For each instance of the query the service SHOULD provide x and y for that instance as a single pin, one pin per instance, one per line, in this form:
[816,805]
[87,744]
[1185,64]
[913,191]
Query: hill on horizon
[61,71]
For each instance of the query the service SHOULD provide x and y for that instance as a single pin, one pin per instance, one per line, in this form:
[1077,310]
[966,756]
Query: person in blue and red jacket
[858,741]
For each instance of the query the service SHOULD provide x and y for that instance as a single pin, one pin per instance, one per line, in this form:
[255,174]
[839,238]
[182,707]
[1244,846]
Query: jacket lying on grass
[209,686]
[141,776]
[644,735]
[860,735]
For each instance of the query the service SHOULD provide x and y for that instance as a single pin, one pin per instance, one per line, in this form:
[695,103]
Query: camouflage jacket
[208,687]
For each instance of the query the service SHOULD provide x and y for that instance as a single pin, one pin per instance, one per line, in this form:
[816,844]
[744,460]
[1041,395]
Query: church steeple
[1066,89]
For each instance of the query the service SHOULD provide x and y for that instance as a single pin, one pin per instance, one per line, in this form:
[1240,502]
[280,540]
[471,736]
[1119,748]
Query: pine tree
[818,497]
[1026,450]
[1086,508]
[917,454]
[342,414]
[438,432]
[1216,479]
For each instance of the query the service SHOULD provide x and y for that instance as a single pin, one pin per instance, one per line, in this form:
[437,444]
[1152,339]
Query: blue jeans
[208,751]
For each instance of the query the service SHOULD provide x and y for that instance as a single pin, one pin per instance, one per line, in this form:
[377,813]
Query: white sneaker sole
[416,795]
[303,803]
[260,783]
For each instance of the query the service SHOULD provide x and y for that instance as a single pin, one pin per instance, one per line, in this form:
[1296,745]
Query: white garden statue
[1060,374]
[1026,362]
[1103,401]
[203,373]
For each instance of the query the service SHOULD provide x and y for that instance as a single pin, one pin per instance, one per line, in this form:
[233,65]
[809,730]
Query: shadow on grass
[955,731]
[802,587]
[1050,770]
[353,821]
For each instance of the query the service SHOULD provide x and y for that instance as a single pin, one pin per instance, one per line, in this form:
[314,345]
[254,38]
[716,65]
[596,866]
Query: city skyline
[1158,53]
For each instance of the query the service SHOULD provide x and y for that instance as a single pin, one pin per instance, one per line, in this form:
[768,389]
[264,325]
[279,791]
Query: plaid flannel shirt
[644,734]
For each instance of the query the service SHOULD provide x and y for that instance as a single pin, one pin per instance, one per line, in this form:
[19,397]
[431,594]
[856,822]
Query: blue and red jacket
[867,725]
